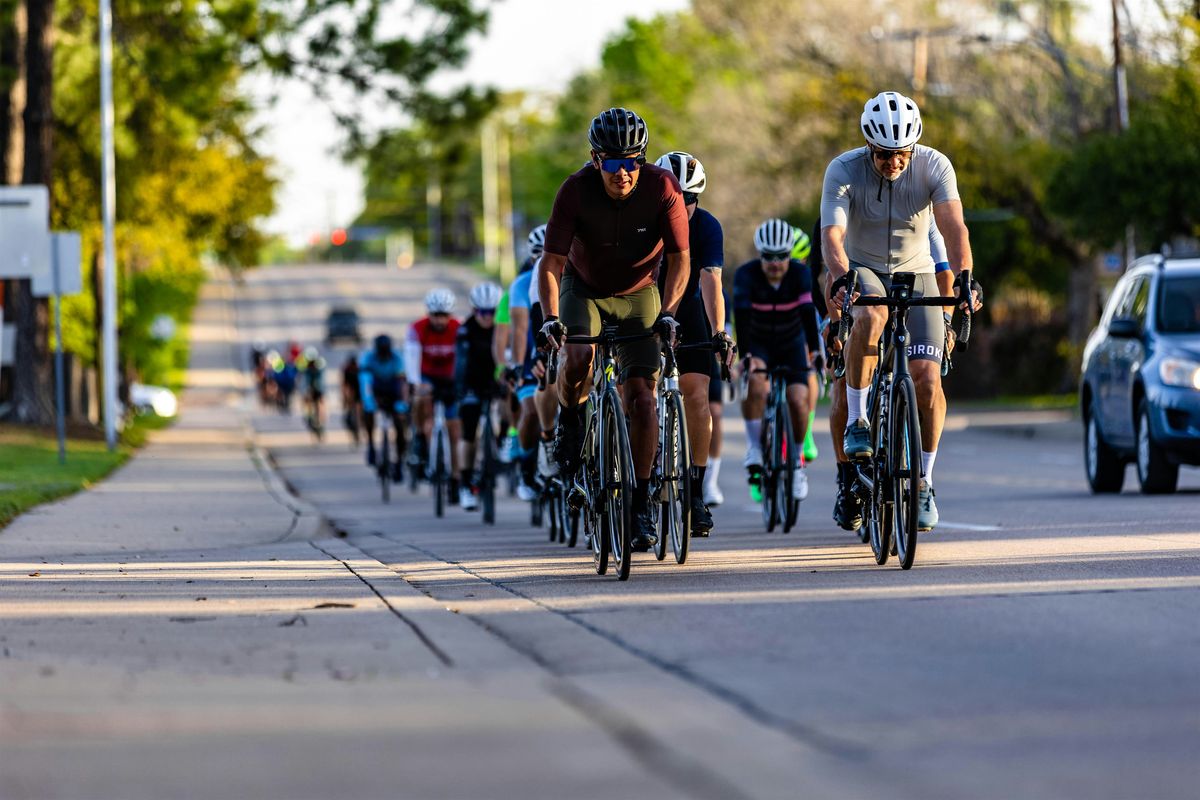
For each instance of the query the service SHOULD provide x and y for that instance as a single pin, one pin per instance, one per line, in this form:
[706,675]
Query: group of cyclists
[628,247]
[278,375]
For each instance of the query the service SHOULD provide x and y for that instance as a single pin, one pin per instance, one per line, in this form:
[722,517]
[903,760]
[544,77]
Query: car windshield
[1180,307]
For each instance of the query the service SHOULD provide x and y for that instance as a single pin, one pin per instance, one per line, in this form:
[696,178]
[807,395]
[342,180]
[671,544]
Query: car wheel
[1105,469]
[1155,471]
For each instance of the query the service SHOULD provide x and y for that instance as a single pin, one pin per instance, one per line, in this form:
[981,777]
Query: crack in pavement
[416,629]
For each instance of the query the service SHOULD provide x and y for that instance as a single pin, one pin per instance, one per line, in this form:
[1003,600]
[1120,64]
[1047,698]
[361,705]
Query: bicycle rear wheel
[906,469]
[573,524]
[616,472]
[677,488]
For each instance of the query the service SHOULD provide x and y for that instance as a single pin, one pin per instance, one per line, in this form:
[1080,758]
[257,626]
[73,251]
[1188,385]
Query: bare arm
[949,218]
[520,332]
[833,250]
[714,298]
[549,277]
[679,265]
[500,341]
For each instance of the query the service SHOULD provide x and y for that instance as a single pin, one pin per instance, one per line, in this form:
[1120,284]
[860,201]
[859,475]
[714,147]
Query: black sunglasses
[888,155]
[776,256]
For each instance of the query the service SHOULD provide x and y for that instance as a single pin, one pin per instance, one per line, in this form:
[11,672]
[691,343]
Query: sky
[319,192]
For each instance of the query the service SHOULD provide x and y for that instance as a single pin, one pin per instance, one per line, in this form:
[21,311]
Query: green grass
[31,475]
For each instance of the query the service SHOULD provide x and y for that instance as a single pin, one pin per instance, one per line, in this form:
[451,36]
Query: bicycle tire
[487,476]
[768,474]
[616,471]
[573,525]
[536,511]
[789,448]
[438,478]
[559,505]
[906,469]
[879,507]
[384,472]
[679,501]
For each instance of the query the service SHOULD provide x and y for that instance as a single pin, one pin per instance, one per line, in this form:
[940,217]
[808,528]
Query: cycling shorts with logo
[444,392]
[926,328]
[584,312]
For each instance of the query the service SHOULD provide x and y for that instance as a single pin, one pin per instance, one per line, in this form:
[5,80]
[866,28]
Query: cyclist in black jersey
[776,326]
[474,381]
[701,312]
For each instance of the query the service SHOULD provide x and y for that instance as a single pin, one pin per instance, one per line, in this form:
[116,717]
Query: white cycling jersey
[887,222]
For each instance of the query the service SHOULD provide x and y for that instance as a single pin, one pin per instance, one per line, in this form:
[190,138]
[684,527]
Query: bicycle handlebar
[963,299]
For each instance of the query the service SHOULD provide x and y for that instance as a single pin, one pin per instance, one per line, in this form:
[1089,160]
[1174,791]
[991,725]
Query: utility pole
[1121,114]
[108,165]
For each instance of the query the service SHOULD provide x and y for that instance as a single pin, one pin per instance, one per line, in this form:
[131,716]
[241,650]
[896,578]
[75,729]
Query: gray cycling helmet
[618,132]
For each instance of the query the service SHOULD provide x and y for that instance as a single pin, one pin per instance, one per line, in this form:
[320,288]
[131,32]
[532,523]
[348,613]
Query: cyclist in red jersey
[431,345]
[611,226]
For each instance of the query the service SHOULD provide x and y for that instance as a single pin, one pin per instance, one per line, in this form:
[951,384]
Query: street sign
[24,231]
[1113,263]
[69,247]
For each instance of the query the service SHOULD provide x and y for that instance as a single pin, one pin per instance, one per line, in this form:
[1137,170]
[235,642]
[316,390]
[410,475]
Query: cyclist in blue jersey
[701,318]
[776,326]
[383,388]
[521,362]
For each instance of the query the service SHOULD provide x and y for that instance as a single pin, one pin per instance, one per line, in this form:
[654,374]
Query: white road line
[962,526]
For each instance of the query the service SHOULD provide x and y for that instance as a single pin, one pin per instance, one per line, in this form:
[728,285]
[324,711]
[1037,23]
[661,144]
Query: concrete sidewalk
[200,483]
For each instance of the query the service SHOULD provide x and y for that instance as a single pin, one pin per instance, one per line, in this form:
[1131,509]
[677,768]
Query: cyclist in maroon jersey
[612,225]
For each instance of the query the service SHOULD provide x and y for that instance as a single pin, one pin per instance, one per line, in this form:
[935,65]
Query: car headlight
[1180,372]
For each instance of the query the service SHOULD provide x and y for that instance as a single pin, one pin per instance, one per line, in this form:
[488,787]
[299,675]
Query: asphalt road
[1045,644]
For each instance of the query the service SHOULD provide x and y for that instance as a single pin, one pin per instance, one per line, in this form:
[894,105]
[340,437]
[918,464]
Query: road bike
[670,481]
[489,462]
[888,482]
[602,487]
[781,454]
[383,467]
[439,462]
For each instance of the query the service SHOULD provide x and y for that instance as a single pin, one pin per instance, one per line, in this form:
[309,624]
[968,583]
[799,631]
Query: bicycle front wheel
[788,507]
[384,471]
[769,474]
[906,469]
[677,479]
[438,478]
[616,475]
[487,478]
[879,509]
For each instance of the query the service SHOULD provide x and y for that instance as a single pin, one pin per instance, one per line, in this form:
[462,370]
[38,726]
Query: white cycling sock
[927,460]
[753,433]
[714,470]
[856,404]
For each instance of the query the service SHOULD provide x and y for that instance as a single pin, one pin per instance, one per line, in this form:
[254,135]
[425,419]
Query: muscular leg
[694,387]
[640,405]
[454,428]
[837,417]
[717,412]
[797,397]
[862,349]
[572,378]
[527,430]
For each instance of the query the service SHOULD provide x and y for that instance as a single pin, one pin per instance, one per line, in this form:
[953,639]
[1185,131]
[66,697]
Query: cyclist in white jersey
[877,204]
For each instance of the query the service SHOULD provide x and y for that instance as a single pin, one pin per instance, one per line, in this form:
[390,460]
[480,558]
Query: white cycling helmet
[773,236]
[486,296]
[537,240]
[686,168]
[891,121]
[439,301]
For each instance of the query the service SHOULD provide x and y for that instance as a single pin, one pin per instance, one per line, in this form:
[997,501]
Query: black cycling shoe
[452,493]
[847,509]
[397,472]
[370,456]
[644,536]
[564,450]
[702,521]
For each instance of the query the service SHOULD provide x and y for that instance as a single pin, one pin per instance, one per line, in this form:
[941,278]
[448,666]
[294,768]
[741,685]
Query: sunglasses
[888,155]
[614,165]
[486,312]
[776,257]
[690,198]
[438,314]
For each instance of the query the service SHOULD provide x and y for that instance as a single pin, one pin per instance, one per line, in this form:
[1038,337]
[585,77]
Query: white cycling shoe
[712,491]
[753,457]
[467,499]
[526,493]
[799,484]
[547,464]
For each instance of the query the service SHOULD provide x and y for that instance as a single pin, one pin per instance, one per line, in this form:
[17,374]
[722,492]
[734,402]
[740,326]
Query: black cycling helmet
[383,344]
[618,132]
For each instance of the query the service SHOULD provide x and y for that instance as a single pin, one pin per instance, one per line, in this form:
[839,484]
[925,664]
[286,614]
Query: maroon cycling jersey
[612,245]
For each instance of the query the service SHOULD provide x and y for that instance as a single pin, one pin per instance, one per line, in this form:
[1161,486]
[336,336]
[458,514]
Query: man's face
[775,265]
[620,173]
[486,317]
[439,320]
[890,163]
